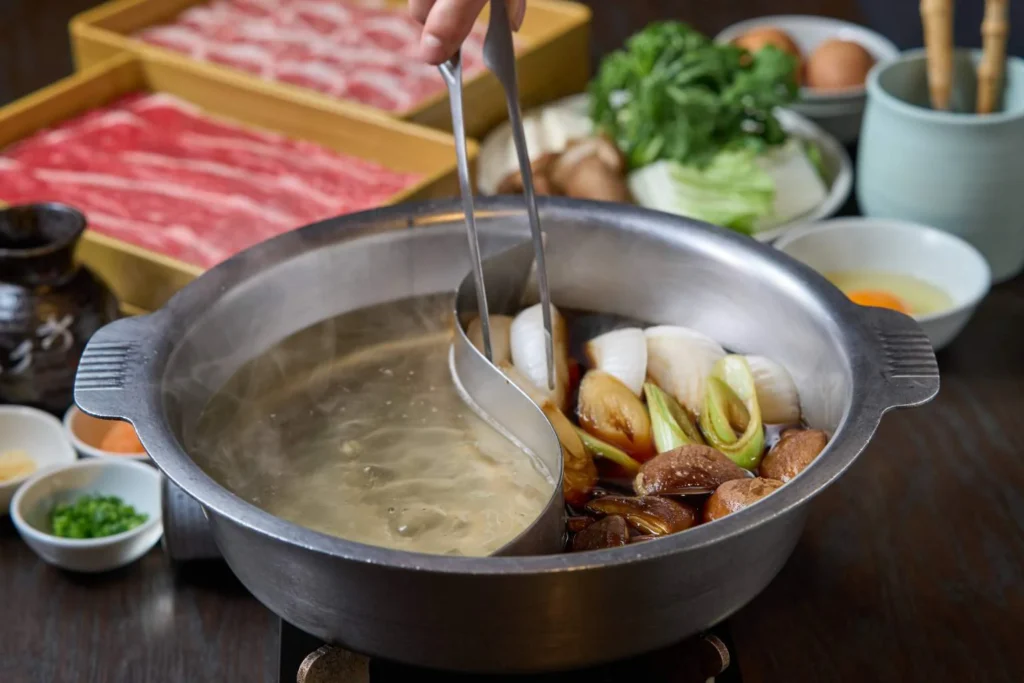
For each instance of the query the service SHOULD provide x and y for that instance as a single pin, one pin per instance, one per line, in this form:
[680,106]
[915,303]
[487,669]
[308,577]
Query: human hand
[447,23]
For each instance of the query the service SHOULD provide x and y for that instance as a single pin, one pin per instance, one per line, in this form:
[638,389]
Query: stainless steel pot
[516,614]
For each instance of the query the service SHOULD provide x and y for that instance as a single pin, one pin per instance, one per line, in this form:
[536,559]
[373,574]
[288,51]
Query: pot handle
[904,357]
[109,380]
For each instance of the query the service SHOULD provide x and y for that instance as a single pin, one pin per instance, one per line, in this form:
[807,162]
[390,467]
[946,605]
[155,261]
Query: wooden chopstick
[937,20]
[994,30]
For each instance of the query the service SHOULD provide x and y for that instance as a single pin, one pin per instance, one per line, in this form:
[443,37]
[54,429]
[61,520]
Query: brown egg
[838,65]
[757,38]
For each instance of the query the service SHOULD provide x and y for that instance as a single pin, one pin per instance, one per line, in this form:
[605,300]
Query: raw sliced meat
[154,171]
[358,50]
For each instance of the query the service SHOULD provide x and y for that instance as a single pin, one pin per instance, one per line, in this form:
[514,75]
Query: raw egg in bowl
[934,276]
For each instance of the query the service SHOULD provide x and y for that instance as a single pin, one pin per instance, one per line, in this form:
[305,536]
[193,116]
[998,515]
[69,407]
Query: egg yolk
[869,297]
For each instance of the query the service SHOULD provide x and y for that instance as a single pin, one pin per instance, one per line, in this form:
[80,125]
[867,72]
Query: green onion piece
[731,381]
[670,423]
[600,449]
[715,422]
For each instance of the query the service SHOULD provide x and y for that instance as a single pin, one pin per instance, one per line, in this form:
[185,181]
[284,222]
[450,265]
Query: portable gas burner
[703,659]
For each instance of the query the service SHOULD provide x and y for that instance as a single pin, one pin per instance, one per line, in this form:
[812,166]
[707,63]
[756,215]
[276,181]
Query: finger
[447,26]
[517,12]
[420,9]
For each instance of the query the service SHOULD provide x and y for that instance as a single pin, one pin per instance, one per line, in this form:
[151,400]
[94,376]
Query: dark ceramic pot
[49,306]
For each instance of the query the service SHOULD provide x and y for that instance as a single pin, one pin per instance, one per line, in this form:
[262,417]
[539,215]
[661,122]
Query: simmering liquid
[354,428]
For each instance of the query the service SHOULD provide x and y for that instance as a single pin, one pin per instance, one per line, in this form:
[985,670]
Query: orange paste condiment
[121,438]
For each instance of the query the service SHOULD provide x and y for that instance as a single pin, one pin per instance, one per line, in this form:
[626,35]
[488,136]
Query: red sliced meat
[155,172]
[335,47]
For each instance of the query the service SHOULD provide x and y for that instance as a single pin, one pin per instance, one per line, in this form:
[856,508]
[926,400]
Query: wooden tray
[553,62]
[144,279]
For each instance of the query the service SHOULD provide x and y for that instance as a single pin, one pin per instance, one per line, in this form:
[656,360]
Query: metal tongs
[499,56]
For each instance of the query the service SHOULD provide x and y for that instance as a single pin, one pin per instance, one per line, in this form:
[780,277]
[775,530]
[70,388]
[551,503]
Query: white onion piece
[776,392]
[679,360]
[501,330]
[622,354]
[529,351]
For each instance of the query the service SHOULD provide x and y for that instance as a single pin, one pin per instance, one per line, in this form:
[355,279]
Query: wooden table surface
[910,569]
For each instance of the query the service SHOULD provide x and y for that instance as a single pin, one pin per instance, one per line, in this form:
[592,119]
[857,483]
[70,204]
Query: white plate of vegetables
[677,123]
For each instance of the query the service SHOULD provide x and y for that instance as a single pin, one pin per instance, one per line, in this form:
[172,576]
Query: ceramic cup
[958,171]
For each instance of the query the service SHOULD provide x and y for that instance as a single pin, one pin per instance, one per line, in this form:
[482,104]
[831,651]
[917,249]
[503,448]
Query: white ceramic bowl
[85,432]
[928,254]
[134,483]
[39,435]
[838,112]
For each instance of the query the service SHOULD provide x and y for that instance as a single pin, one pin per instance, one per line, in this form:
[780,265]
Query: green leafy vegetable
[94,517]
[674,94]
[732,190]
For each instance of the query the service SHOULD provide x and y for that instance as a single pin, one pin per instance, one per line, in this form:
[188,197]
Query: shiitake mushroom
[796,449]
[592,167]
[513,182]
[640,538]
[576,523]
[737,494]
[609,532]
[687,470]
[650,515]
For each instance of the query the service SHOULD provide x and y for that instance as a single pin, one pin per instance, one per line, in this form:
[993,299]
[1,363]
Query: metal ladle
[499,56]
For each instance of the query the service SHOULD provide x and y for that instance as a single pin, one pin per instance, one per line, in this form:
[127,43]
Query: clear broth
[354,428]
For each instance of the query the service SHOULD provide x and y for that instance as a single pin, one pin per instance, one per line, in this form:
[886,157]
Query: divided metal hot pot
[510,613]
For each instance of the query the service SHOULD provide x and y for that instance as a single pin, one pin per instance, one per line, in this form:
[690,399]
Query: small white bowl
[136,484]
[85,432]
[809,31]
[39,435]
[893,246]
[838,112]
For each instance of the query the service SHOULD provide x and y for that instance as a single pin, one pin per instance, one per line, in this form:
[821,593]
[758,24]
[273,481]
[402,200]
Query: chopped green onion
[93,516]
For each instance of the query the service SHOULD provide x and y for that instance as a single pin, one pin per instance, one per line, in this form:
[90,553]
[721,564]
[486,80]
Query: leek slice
[600,449]
[670,422]
[731,382]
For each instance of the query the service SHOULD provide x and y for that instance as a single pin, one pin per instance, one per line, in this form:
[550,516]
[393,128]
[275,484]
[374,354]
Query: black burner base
[693,661]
